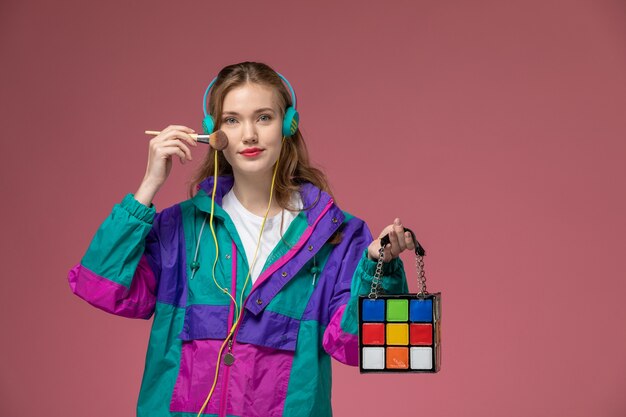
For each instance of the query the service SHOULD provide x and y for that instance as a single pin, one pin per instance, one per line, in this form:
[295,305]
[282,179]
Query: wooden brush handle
[156,132]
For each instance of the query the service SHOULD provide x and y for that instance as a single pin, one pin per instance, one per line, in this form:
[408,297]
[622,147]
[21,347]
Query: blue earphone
[290,120]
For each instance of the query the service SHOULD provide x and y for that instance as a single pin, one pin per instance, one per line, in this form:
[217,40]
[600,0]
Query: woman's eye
[265,118]
[229,120]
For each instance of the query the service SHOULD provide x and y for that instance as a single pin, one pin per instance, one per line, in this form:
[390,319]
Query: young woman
[254,281]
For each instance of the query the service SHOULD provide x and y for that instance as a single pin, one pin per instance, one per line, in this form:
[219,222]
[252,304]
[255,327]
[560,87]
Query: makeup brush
[217,140]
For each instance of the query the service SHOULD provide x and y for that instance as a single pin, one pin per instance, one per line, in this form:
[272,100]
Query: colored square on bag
[397,358]
[397,310]
[397,334]
[373,358]
[373,310]
[421,358]
[422,310]
[373,333]
[421,334]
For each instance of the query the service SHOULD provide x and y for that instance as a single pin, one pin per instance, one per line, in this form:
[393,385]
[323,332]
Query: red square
[421,334]
[373,333]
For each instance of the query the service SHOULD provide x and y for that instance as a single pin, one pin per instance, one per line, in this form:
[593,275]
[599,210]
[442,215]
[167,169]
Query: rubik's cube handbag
[400,333]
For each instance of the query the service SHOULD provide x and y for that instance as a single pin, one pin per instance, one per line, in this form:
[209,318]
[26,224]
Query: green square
[397,310]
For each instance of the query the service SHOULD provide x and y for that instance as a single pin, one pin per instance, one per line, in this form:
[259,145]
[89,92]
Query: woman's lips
[252,152]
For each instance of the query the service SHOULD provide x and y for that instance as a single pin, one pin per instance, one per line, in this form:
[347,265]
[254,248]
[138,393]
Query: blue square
[422,310]
[373,310]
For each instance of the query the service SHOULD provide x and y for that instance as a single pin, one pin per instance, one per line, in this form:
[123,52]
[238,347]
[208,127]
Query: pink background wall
[495,129]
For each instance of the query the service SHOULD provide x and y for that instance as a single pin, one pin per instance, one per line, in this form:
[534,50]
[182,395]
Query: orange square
[397,358]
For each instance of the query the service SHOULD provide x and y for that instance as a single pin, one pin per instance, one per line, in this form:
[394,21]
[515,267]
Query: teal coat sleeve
[355,279]
[120,269]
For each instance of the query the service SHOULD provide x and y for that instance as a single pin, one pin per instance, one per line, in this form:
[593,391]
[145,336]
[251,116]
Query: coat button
[284,274]
[259,301]
[227,256]
[314,270]
[334,220]
[310,247]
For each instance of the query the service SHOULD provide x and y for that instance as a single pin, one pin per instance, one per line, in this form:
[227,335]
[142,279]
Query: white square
[421,358]
[373,358]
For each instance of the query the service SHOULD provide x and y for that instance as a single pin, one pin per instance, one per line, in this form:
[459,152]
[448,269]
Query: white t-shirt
[248,227]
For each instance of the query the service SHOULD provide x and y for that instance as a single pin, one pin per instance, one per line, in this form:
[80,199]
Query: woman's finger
[176,134]
[399,240]
[395,246]
[166,152]
[178,143]
[178,127]
[408,238]
[187,138]
[171,132]
[399,231]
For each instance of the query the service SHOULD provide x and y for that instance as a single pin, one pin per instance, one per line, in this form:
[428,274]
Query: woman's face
[253,123]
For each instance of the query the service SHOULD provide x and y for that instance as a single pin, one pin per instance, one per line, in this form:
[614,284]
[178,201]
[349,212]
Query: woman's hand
[173,140]
[399,241]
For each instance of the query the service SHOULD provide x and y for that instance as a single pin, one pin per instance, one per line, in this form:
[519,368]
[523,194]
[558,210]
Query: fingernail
[397,221]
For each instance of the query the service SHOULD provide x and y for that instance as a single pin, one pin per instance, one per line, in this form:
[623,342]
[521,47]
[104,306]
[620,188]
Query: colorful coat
[301,310]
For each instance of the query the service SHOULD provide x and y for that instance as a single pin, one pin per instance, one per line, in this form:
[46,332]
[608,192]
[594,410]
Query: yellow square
[397,334]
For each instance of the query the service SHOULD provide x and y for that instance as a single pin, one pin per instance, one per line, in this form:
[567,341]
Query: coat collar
[314,200]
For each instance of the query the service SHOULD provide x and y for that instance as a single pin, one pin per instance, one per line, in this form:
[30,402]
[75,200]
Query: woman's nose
[249,133]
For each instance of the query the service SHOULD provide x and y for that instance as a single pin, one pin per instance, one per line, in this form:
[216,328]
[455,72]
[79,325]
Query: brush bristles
[218,140]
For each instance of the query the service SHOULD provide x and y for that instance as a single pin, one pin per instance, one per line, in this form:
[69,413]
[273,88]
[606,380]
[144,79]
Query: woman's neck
[254,194]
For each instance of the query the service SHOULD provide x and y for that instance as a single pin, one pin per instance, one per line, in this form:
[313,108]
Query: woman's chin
[252,170]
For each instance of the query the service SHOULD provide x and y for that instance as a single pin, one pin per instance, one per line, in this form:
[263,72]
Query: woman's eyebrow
[256,111]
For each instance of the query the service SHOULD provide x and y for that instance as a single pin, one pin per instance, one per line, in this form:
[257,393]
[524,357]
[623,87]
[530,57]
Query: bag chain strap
[419,264]
[379,270]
